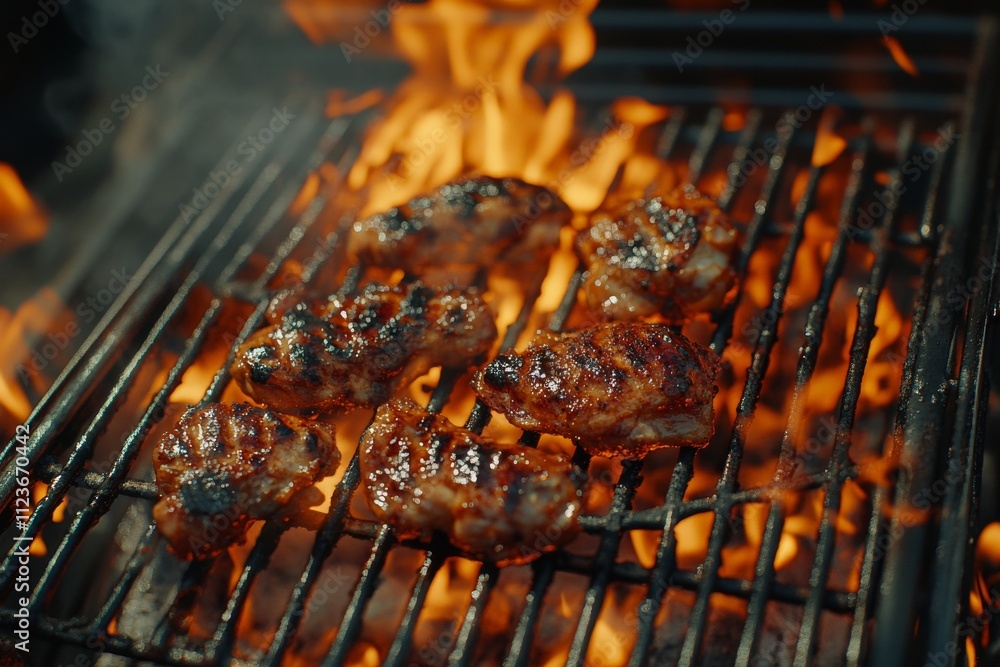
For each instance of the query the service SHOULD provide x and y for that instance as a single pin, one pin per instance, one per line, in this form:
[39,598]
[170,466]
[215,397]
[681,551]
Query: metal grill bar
[602,569]
[863,334]
[607,570]
[919,437]
[164,261]
[625,489]
[84,447]
[814,328]
[100,502]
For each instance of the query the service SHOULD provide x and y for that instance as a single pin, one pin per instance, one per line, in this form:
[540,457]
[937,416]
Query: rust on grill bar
[802,534]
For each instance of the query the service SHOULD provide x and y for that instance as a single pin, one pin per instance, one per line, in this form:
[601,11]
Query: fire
[467,106]
[22,220]
[337,103]
[29,356]
[829,145]
[985,594]
[901,57]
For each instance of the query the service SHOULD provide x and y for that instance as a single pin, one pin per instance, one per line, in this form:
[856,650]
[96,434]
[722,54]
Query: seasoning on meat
[671,255]
[469,223]
[616,389]
[502,503]
[226,465]
[356,351]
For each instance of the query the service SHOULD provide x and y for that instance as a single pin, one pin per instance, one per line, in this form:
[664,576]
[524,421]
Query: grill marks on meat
[466,224]
[617,389]
[225,465]
[501,503]
[356,351]
[671,255]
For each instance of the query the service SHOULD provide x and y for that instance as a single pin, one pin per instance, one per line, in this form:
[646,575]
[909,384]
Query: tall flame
[467,106]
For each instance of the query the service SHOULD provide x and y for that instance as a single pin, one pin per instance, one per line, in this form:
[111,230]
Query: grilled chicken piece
[355,351]
[617,389]
[501,503]
[226,465]
[465,224]
[671,255]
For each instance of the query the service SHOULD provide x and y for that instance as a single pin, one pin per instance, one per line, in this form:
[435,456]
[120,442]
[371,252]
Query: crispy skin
[227,464]
[465,224]
[356,351]
[672,255]
[498,502]
[617,389]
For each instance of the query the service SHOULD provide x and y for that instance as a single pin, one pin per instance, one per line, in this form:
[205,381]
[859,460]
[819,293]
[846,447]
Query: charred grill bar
[937,419]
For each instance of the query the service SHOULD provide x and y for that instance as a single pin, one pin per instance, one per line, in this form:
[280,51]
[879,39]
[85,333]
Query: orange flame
[22,220]
[829,145]
[467,107]
[22,366]
[901,57]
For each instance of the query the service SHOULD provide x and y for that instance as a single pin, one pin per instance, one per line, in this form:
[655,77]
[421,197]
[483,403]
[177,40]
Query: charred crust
[257,359]
[306,357]
[298,318]
[311,442]
[206,492]
[415,303]
[503,371]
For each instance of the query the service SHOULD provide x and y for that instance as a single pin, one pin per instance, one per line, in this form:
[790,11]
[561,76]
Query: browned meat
[226,465]
[356,351]
[671,255]
[617,389]
[499,502]
[465,224]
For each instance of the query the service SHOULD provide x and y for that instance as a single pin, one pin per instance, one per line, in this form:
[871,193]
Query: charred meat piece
[355,351]
[468,223]
[671,255]
[226,465]
[617,389]
[501,503]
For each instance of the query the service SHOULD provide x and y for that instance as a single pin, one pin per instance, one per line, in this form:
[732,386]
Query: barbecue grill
[106,589]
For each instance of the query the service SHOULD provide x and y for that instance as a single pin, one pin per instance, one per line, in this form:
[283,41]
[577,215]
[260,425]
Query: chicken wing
[226,465]
[670,254]
[499,502]
[355,351]
[617,389]
[465,224]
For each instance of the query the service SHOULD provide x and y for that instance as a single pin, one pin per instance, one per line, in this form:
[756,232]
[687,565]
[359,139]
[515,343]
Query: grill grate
[236,236]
